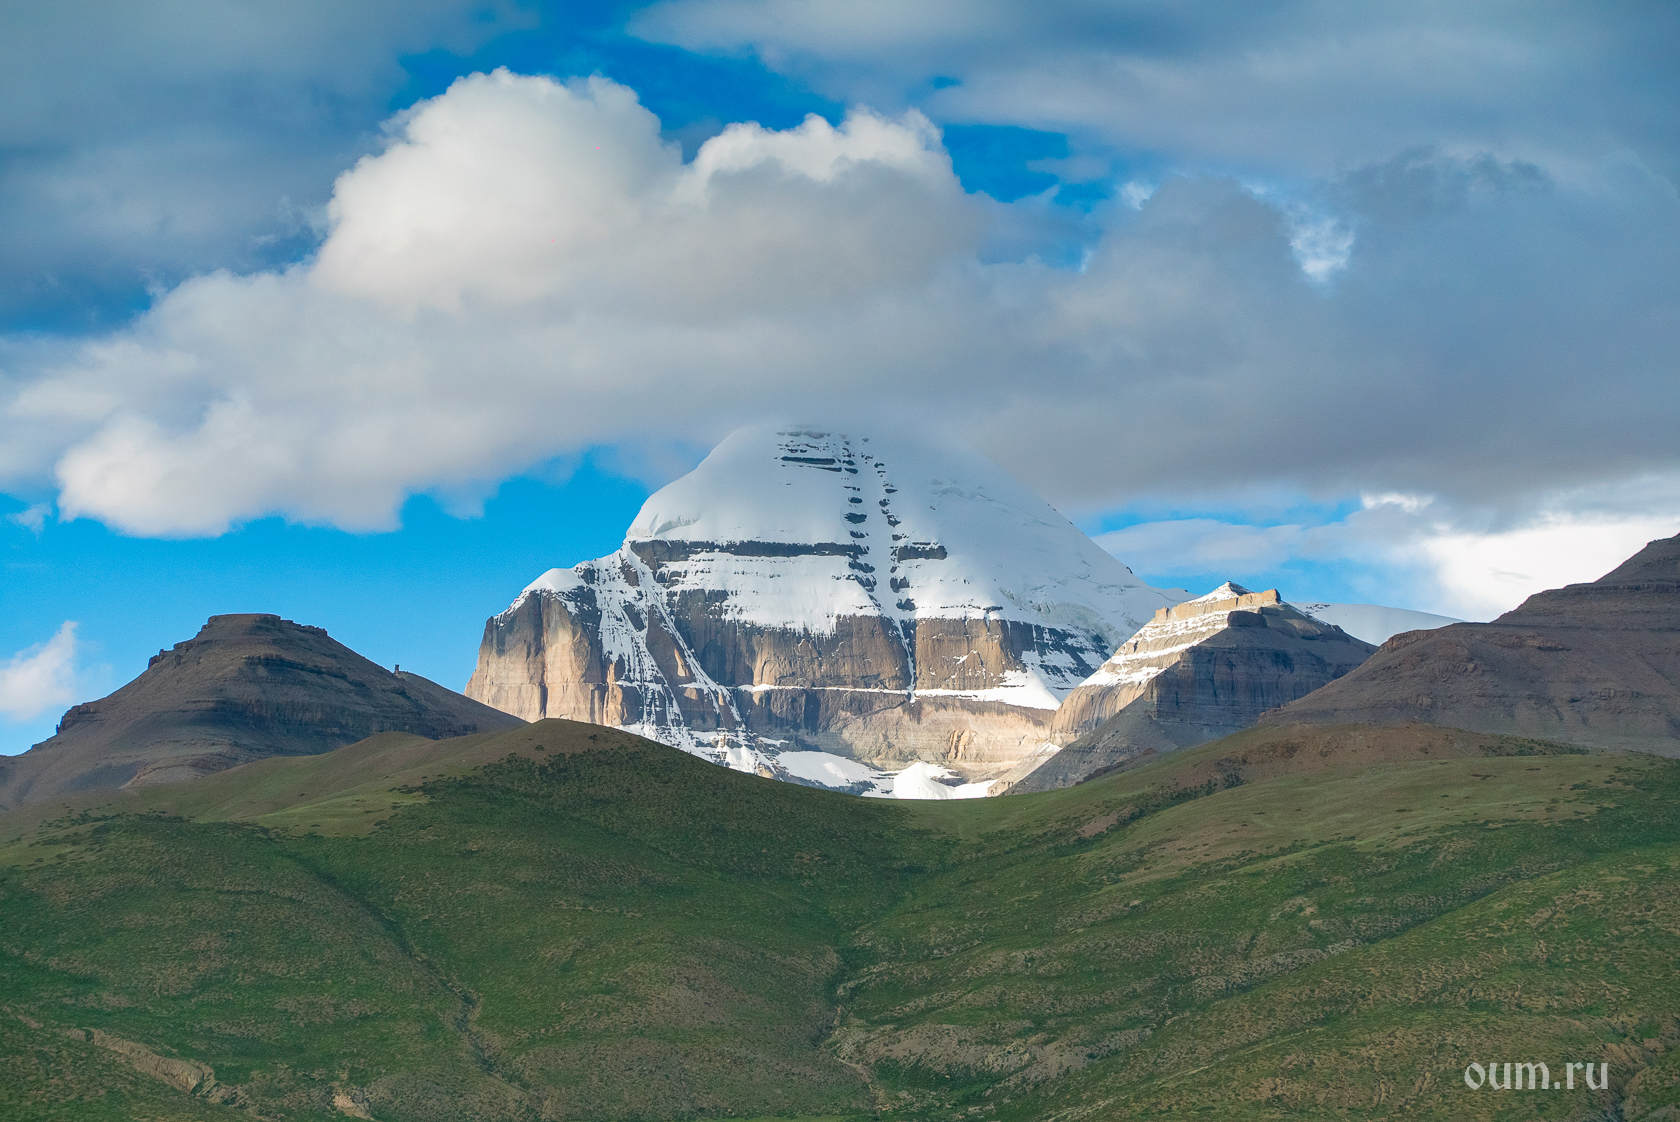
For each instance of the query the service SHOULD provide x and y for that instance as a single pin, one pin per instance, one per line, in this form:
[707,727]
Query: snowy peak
[919,530]
[889,601]
[1230,590]
[800,529]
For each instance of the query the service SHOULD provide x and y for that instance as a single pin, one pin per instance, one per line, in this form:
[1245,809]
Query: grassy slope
[1324,922]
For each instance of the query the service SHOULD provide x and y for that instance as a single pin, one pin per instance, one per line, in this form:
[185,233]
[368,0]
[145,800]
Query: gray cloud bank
[1280,88]
[527,268]
[146,141]
[1475,302]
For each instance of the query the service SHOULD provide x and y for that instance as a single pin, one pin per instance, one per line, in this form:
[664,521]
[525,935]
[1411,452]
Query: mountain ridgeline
[1198,671]
[244,688]
[1596,664]
[269,879]
[844,610]
[892,619]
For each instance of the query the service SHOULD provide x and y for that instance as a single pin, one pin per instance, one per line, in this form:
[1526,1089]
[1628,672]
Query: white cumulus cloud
[153,139]
[1410,551]
[1483,575]
[527,269]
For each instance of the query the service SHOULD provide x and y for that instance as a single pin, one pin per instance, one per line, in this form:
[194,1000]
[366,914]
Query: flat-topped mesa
[1162,643]
[1227,598]
[813,590]
[1197,671]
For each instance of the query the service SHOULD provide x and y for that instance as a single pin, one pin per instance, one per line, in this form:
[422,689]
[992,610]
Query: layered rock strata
[245,687]
[1595,664]
[816,591]
[1198,671]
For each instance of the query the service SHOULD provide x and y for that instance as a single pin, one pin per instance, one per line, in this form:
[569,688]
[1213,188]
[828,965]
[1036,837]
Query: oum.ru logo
[1532,1077]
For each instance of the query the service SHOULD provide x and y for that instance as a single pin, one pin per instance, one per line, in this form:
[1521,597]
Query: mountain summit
[244,688]
[1196,672]
[810,591]
[1596,664]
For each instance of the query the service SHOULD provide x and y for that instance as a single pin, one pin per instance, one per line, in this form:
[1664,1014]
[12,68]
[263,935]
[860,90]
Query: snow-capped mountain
[887,601]
[1374,623]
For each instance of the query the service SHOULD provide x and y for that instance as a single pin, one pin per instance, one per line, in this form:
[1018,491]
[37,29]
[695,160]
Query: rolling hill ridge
[567,921]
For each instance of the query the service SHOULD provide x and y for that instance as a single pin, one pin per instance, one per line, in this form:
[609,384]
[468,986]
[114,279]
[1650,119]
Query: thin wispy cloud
[40,678]
[1297,89]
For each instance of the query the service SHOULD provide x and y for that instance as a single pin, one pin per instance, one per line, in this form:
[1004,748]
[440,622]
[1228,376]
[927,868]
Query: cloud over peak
[1296,88]
[526,269]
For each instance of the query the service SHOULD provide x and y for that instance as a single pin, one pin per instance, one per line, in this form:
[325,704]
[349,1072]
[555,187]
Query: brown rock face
[1197,672]
[1595,664]
[246,687]
[656,661]
[889,601]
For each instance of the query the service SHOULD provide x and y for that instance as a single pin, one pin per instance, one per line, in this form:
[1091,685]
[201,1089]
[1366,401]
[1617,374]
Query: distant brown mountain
[1595,664]
[1198,671]
[246,687]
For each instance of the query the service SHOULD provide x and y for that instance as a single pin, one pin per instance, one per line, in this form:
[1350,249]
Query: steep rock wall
[1198,671]
[816,591]
[861,690]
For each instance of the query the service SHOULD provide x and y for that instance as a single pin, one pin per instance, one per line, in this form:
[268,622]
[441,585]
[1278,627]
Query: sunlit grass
[1325,921]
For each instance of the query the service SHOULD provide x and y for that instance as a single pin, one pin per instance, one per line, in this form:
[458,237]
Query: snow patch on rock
[1372,622]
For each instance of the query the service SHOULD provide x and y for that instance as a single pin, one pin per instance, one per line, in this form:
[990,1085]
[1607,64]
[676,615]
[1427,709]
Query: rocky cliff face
[1595,664]
[1198,671]
[246,687]
[811,591]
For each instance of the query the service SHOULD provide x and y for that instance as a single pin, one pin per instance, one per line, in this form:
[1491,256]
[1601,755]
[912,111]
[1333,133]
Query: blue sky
[417,597]
[367,313]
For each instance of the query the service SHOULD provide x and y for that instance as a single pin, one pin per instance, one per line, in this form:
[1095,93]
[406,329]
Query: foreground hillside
[565,921]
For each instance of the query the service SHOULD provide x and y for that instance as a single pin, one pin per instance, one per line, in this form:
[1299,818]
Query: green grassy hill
[567,922]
